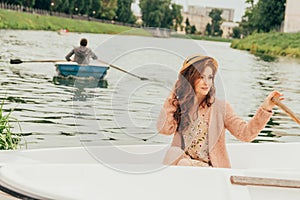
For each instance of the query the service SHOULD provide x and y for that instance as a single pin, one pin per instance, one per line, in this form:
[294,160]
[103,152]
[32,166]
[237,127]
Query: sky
[238,5]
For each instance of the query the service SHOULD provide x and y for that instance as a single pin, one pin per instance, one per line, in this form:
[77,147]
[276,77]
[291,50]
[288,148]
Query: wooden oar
[19,61]
[122,70]
[260,181]
[278,103]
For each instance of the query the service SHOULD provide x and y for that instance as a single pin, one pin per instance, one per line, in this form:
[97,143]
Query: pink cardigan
[222,117]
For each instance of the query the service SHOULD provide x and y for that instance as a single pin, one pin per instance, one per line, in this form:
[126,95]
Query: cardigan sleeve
[242,130]
[166,124]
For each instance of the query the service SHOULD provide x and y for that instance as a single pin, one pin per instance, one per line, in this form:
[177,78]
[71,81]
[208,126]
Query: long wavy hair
[185,96]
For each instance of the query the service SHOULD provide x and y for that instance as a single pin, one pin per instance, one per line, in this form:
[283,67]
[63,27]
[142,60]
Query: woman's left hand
[268,103]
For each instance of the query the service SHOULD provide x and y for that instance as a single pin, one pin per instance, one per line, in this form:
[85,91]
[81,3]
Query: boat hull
[73,69]
[135,172]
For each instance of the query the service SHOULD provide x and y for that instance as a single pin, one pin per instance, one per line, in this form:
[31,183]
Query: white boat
[259,172]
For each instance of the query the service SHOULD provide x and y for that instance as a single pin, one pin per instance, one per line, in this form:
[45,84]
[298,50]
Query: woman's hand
[268,103]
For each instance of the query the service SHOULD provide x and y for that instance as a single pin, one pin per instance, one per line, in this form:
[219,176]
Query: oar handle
[45,61]
[278,103]
[18,61]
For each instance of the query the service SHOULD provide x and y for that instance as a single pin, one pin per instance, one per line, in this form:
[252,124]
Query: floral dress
[196,142]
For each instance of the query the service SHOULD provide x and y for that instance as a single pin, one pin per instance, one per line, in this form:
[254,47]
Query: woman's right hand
[268,104]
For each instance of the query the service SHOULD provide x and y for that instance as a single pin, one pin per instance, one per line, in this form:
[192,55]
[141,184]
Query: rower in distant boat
[82,53]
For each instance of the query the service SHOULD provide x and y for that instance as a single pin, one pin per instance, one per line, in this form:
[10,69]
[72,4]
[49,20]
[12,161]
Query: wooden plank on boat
[260,181]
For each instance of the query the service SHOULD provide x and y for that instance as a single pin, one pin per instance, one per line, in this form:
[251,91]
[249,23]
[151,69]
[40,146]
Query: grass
[269,46]
[8,140]
[200,37]
[25,21]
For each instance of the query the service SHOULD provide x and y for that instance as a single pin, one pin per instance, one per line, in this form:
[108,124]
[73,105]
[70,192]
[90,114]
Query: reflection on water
[55,111]
[281,76]
[79,85]
[80,82]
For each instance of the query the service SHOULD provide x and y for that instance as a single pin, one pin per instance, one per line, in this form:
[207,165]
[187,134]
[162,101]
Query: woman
[199,120]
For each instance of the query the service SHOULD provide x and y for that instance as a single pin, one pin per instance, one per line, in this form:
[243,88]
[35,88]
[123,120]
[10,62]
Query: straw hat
[196,58]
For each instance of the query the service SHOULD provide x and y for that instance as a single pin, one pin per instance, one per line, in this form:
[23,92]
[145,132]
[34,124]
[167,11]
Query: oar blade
[15,61]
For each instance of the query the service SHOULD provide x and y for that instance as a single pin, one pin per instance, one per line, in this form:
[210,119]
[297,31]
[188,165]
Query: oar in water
[278,103]
[19,61]
[122,70]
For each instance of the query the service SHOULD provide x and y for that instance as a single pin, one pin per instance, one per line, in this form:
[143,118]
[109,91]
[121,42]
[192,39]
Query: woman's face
[204,83]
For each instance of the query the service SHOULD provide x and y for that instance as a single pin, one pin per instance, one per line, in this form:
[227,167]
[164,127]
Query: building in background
[292,16]
[227,28]
[199,17]
[227,14]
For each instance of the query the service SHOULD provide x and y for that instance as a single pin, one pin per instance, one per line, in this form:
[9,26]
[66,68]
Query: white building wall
[199,21]
[292,16]
[227,28]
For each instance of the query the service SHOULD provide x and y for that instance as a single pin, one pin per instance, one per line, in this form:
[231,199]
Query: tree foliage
[187,26]
[108,9]
[176,16]
[160,13]
[265,16]
[124,13]
[155,13]
[105,9]
[216,19]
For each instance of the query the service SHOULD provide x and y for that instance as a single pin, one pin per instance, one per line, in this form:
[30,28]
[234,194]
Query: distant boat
[63,31]
[76,70]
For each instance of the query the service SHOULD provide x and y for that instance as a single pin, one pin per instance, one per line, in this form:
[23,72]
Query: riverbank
[25,21]
[201,37]
[270,46]
[267,46]
[18,20]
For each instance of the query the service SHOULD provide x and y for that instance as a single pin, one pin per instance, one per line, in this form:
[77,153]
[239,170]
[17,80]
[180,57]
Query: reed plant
[8,139]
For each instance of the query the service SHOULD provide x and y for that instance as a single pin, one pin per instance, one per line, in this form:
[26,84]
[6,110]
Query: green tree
[108,9]
[79,7]
[271,15]
[56,5]
[176,16]
[265,16]
[65,7]
[167,19]
[124,13]
[152,12]
[193,29]
[208,29]
[236,32]
[158,13]
[42,4]
[247,27]
[251,2]
[215,15]
[28,3]
[187,26]
[95,8]
[15,2]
